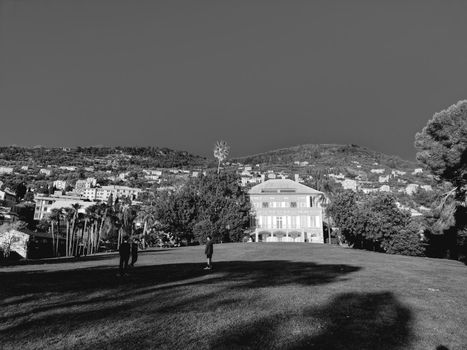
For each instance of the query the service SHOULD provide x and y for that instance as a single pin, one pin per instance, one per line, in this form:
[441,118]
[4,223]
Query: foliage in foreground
[442,148]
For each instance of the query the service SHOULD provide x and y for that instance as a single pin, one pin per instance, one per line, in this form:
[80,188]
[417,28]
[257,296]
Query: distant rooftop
[282,186]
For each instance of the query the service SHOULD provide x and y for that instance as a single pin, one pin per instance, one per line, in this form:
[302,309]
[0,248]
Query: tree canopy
[212,204]
[442,146]
[374,222]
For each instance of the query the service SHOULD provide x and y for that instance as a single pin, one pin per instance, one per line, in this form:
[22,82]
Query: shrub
[406,242]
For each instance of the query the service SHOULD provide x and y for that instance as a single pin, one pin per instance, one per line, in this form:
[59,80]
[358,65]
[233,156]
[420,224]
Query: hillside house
[81,185]
[153,172]
[396,173]
[8,196]
[59,184]
[339,176]
[6,170]
[411,189]
[286,211]
[383,179]
[46,172]
[68,168]
[348,184]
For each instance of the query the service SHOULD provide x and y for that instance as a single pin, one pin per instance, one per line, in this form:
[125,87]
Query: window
[265,205]
[279,221]
[257,223]
[311,202]
[317,222]
[293,204]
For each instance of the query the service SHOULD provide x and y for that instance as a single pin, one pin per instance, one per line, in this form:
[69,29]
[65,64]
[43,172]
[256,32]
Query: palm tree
[221,152]
[101,214]
[54,218]
[324,201]
[74,241]
[94,215]
[147,215]
[67,215]
[322,184]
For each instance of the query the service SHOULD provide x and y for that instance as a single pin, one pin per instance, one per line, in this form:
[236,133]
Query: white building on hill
[46,172]
[103,193]
[6,170]
[286,211]
[59,184]
[45,204]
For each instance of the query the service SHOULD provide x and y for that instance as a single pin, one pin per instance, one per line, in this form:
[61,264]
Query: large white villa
[286,211]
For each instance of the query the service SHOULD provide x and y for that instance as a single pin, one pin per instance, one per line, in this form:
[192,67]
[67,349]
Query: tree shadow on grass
[349,321]
[248,274]
[74,259]
[98,288]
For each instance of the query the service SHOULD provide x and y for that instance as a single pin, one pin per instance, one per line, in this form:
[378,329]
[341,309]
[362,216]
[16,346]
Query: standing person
[209,250]
[134,252]
[124,251]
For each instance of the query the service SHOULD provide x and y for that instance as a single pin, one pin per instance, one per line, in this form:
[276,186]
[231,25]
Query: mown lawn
[259,296]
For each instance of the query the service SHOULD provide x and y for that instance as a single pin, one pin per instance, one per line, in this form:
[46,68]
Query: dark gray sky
[259,74]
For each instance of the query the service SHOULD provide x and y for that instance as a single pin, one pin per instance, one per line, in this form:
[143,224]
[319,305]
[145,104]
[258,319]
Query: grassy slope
[288,296]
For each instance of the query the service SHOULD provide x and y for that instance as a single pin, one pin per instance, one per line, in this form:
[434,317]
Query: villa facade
[286,211]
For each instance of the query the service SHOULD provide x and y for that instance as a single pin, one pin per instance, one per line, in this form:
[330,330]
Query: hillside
[352,166]
[328,155]
[99,157]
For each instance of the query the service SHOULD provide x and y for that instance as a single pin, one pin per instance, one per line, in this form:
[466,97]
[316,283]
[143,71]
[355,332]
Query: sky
[261,75]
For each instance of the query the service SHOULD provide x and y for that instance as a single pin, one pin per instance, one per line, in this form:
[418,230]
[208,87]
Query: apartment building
[45,204]
[103,193]
[82,185]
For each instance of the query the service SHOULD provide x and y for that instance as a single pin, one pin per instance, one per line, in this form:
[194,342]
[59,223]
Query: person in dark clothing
[209,250]
[124,251]
[134,252]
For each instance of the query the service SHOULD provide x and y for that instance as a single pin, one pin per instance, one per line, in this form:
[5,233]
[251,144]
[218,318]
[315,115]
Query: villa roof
[282,186]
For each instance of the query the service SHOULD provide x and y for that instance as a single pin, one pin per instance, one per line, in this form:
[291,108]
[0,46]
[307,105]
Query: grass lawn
[259,296]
